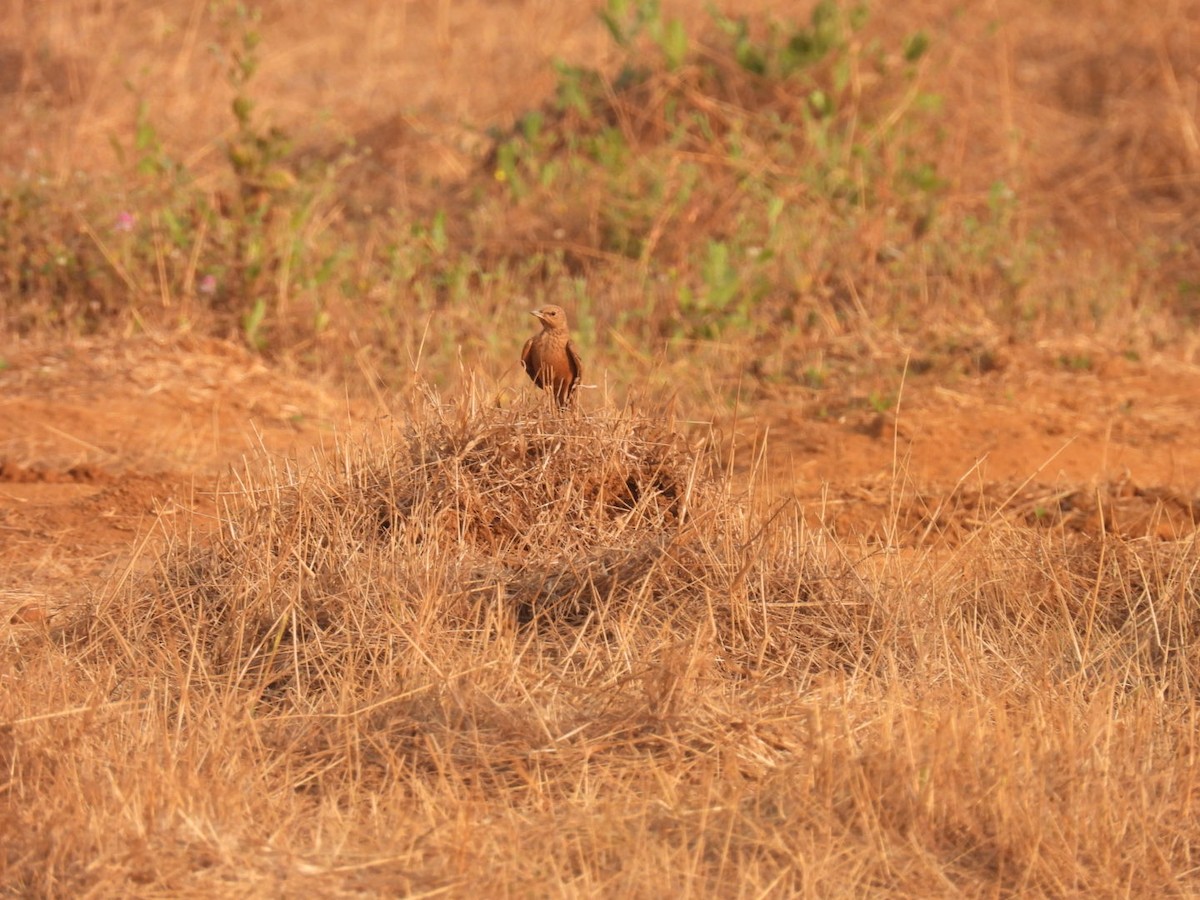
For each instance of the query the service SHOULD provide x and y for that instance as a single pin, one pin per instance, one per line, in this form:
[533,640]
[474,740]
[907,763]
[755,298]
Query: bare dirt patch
[1111,447]
[100,439]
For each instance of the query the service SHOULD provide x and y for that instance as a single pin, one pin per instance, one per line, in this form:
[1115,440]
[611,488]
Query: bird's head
[552,318]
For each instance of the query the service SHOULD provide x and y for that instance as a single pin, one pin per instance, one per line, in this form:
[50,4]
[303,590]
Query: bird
[550,358]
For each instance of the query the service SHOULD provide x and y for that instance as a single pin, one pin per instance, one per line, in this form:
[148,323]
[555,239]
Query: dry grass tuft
[476,525]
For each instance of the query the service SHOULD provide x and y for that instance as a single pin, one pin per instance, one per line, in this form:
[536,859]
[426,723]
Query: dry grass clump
[1116,610]
[471,526]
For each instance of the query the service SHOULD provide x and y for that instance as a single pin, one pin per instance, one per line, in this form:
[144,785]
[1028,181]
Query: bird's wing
[526,352]
[575,363]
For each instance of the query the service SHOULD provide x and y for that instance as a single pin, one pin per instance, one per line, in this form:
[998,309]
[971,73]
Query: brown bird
[550,358]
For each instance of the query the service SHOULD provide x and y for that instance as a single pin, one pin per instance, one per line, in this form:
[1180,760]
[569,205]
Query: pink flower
[208,284]
[125,222]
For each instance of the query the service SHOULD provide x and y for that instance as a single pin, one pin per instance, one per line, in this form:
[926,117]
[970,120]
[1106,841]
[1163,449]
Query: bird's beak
[536,312]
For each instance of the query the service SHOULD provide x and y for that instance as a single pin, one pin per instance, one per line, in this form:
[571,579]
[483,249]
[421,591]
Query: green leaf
[252,324]
[531,126]
[437,232]
[915,46]
[614,18]
[674,44]
[242,108]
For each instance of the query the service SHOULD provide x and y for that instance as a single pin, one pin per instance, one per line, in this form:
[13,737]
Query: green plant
[722,301]
[1077,362]
[715,137]
[627,19]
[881,402]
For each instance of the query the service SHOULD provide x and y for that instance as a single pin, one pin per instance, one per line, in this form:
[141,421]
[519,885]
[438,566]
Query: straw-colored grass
[518,651]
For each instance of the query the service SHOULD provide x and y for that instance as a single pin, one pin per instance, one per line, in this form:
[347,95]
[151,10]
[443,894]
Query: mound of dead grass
[474,525]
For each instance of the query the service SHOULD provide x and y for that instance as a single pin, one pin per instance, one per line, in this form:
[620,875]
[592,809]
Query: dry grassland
[869,568]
